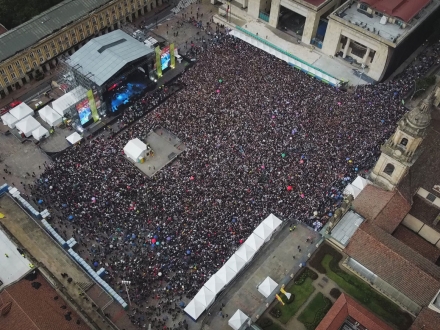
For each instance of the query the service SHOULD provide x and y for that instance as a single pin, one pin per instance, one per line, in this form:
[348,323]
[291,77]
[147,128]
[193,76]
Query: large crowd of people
[253,127]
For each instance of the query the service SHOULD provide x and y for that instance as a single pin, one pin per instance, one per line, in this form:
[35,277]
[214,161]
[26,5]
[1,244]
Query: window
[2,71]
[17,64]
[52,45]
[6,80]
[363,7]
[13,76]
[404,142]
[55,53]
[32,55]
[47,55]
[38,51]
[389,169]
[10,67]
[27,68]
[24,59]
[45,47]
[41,59]
[34,64]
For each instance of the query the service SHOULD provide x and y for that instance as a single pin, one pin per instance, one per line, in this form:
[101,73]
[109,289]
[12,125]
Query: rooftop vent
[383,20]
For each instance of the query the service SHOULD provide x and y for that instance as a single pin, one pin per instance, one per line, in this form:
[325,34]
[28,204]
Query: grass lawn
[367,296]
[302,293]
[319,305]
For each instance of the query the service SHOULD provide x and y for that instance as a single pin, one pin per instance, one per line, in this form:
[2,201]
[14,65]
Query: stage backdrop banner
[158,64]
[92,105]
[173,58]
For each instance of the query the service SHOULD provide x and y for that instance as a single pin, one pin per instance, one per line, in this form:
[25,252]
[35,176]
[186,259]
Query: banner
[158,62]
[92,105]
[173,57]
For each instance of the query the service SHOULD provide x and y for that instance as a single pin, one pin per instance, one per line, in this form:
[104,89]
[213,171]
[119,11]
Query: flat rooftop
[346,227]
[13,266]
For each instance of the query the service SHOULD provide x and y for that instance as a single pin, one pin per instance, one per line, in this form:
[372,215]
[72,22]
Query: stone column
[159,2]
[254,8]
[47,66]
[274,13]
[310,27]
[27,78]
[347,46]
[365,59]
[142,11]
[6,91]
[153,4]
[136,14]
[245,3]
[20,82]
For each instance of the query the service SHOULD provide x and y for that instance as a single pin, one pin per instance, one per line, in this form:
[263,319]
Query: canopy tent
[245,252]
[39,133]
[263,231]
[135,149]
[352,190]
[63,104]
[27,125]
[194,309]
[237,320]
[215,284]
[44,111]
[272,222]
[360,183]
[267,287]
[235,263]
[205,296]
[9,120]
[254,241]
[53,118]
[226,274]
[74,138]
[21,111]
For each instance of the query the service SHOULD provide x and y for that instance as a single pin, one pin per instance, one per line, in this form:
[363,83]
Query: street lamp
[360,77]
[126,289]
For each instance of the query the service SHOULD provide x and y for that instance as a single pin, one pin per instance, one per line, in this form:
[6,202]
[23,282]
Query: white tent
[237,320]
[352,190]
[272,222]
[53,118]
[44,111]
[267,287]
[205,297]
[226,274]
[263,231]
[74,138]
[254,241]
[135,149]
[194,309]
[360,183]
[21,111]
[215,284]
[245,252]
[39,133]
[62,104]
[235,263]
[27,125]
[9,120]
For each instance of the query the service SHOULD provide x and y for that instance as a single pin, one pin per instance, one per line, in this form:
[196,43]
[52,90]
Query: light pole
[360,77]
[126,289]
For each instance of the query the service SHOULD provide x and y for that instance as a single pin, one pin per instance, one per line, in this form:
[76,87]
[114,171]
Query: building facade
[103,16]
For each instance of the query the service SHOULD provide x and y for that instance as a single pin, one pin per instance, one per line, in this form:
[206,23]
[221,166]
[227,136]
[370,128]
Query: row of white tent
[206,296]
[356,187]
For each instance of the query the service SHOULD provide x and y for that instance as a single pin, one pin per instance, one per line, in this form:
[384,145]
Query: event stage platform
[166,147]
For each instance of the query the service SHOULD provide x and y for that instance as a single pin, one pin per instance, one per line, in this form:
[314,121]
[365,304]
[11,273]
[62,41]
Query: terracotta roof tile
[34,309]
[426,320]
[371,201]
[346,306]
[393,213]
[403,9]
[394,262]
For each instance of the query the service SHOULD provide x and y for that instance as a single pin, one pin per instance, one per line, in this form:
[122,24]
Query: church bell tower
[400,151]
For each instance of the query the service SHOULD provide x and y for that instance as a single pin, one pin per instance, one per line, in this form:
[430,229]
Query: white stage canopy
[215,284]
[205,297]
[135,149]
[254,241]
[62,104]
[74,138]
[237,320]
[263,231]
[9,120]
[27,125]
[245,252]
[21,111]
[39,133]
[235,263]
[226,274]
[272,222]
[194,309]
[267,287]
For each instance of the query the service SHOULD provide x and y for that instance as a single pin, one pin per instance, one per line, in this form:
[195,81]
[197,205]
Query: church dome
[420,116]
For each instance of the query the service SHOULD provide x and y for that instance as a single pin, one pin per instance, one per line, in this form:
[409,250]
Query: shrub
[316,260]
[303,274]
[335,293]
[265,322]
[275,312]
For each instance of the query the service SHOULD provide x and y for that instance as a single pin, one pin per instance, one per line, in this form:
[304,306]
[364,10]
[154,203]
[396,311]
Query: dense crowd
[252,126]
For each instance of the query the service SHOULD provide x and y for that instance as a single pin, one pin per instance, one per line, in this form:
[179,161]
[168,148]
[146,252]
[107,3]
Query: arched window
[404,142]
[389,169]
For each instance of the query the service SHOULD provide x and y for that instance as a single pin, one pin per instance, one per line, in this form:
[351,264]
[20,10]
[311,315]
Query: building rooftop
[43,25]
[397,264]
[32,304]
[403,9]
[315,3]
[426,320]
[345,228]
[14,266]
[425,212]
[3,29]
[104,56]
[345,308]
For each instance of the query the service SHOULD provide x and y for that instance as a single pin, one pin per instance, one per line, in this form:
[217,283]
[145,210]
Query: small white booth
[360,183]
[246,253]
[9,120]
[267,287]
[272,222]
[263,231]
[226,274]
[44,111]
[53,118]
[235,263]
[254,241]
[237,320]
[194,309]
[135,150]
[74,138]
[40,133]
[205,296]
[215,284]
[27,125]
[352,190]
[21,111]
